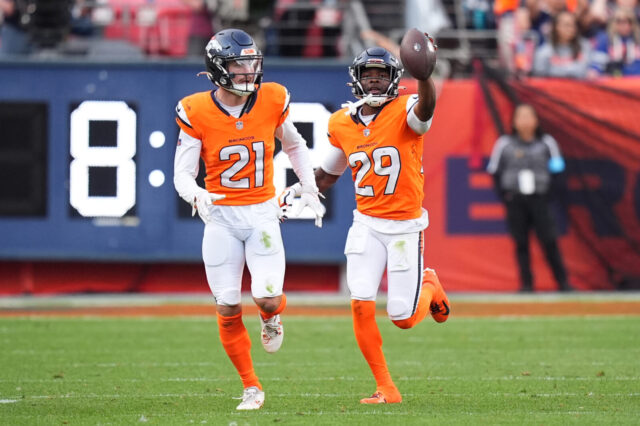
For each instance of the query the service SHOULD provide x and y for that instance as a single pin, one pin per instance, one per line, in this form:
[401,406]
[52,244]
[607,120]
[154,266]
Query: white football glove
[202,201]
[285,200]
[309,197]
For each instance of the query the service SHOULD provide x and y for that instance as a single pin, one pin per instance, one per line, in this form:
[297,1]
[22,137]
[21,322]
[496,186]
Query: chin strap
[352,107]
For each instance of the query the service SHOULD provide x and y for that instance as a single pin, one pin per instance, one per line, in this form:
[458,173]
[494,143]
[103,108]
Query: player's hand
[202,201]
[285,200]
[309,197]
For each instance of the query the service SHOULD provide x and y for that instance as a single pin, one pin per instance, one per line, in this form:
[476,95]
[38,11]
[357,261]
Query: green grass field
[470,371]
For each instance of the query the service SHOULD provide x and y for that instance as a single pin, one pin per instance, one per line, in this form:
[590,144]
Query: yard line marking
[308,395]
[331,379]
[200,364]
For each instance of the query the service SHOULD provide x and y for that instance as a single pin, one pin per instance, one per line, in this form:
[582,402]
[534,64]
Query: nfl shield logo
[239,125]
[366,132]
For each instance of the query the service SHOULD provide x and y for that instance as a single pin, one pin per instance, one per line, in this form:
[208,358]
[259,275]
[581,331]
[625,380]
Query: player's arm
[420,107]
[325,180]
[186,163]
[185,166]
[294,145]
[426,100]
[333,166]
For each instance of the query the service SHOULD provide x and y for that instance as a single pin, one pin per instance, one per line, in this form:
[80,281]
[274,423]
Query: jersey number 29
[386,162]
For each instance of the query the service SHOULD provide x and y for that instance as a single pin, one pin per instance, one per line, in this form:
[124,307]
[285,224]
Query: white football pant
[224,251]
[369,252]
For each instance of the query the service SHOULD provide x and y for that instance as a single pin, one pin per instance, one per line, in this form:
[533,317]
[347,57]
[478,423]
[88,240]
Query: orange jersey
[385,159]
[238,152]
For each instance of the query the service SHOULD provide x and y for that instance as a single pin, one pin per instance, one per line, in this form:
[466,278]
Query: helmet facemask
[380,99]
[252,65]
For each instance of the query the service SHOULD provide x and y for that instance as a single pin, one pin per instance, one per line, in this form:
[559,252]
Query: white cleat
[272,333]
[252,399]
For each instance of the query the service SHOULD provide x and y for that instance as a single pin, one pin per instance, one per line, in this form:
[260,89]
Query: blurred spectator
[600,13]
[49,23]
[553,7]
[428,16]
[14,38]
[538,19]
[308,28]
[566,54]
[381,40]
[81,23]
[479,14]
[617,50]
[523,25]
[201,26]
[532,27]
[523,164]
[508,32]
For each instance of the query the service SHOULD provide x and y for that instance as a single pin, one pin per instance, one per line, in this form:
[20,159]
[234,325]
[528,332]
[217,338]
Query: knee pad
[228,296]
[269,286]
[398,309]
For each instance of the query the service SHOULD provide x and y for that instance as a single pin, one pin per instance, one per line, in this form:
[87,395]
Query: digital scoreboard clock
[86,162]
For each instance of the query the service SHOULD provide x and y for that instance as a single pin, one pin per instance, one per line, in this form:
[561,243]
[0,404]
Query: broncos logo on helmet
[379,58]
[228,46]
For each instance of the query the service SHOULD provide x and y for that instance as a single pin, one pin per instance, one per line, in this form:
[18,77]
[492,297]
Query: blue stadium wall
[152,230]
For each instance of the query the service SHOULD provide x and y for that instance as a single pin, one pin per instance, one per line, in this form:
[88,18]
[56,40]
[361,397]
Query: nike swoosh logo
[446,307]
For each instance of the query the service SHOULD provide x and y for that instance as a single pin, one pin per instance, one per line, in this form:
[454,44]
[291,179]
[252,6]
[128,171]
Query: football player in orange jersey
[380,137]
[233,129]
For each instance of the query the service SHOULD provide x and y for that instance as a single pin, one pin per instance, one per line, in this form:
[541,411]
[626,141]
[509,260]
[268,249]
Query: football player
[233,129]
[380,137]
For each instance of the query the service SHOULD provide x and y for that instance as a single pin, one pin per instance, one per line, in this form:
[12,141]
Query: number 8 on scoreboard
[102,176]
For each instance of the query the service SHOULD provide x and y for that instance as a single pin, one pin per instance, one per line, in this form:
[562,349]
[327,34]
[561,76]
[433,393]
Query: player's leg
[366,258]
[223,255]
[440,306]
[413,291]
[408,299]
[266,262]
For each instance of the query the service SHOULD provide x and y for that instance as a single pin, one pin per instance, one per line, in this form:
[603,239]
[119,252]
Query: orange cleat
[392,397]
[440,305]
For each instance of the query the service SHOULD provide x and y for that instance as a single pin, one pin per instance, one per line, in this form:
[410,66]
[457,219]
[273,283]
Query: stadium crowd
[555,38]
[569,38]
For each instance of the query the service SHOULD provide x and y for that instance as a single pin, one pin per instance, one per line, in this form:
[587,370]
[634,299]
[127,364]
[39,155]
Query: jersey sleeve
[184,122]
[285,108]
[335,161]
[417,125]
[333,140]
[185,166]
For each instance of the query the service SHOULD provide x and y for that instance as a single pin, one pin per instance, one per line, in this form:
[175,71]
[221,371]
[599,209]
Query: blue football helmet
[228,46]
[379,58]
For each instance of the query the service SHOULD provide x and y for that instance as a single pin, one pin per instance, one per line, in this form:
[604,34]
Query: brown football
[418,54]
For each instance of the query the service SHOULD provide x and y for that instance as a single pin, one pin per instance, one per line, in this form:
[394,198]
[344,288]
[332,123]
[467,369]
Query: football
[418,54]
